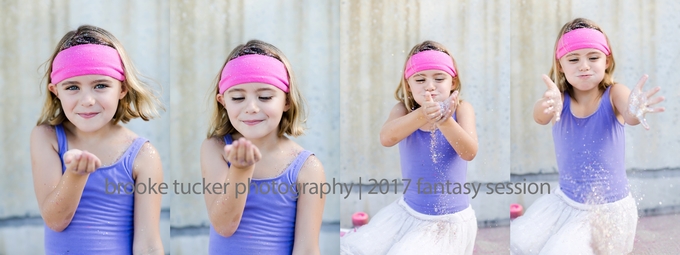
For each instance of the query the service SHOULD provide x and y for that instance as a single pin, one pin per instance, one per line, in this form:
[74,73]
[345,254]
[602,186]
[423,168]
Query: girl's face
[435,82]
[254,109]
[584,68]
[89,101]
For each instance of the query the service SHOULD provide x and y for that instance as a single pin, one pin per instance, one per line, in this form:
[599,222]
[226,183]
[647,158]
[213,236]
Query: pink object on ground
[359,219]
[516,210]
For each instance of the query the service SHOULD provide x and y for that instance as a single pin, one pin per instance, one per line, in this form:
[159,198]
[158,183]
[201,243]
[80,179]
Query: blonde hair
[140,100]
[292,121]
[558,77]
[403,94]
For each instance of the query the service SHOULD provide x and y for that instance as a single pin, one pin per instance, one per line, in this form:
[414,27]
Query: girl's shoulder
[45,134]
[290,145]
[312,170]
[399,109]
[212,147]
[464,109]
[618,89]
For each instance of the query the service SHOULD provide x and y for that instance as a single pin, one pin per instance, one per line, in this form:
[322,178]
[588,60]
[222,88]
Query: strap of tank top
[606,101]
[228,140]
[297,164]
[131,153]
[62,143]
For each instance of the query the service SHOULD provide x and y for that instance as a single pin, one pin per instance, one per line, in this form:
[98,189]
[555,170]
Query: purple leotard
[433,196]
[102,223]
[591,154]
[268,222]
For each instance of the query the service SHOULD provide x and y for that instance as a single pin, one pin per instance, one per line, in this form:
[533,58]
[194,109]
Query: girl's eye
[420,80]
[237,98]
[101,86]
[439,80]
[72,87]
[594,58]
[573,60]
[265,98]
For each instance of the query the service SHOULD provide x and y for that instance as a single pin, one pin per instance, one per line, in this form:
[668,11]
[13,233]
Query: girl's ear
[220,99]
[559,67]
[608,58]
[123,89]
[53,88]
[286,107]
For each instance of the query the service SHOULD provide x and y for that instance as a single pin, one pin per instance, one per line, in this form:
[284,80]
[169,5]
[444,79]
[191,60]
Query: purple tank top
[433,196]
[268,222]
[590,154]
[102,223]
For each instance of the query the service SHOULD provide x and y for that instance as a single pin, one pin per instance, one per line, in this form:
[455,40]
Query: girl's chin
[88,125]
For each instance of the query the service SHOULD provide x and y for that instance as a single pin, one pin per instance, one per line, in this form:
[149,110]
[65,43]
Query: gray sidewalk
[654,235]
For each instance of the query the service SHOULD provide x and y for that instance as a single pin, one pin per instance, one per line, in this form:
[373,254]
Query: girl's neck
[96,136]
[587,96]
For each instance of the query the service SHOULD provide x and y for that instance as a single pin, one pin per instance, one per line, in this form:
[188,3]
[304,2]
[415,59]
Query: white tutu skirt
[398,229]
[555,224]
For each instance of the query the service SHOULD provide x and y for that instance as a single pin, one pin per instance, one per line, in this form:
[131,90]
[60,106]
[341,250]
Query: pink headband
[87,59]
[254,68]
[429,60]
[582,38]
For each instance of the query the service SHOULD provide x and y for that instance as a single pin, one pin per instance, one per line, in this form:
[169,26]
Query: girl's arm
[462,135]
[622,99]
[401,124]
[147,169]
[225,208]
[58,194]
[619,94]
[309,209]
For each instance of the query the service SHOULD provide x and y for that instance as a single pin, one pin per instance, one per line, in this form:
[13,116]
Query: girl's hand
[639,102]
[448,107]
[431,109]
[242,153]
[552,99]
[81,162]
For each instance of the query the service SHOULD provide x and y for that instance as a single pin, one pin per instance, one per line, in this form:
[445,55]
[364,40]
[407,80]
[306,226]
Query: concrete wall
[376,38]
[29,31]
[644,36]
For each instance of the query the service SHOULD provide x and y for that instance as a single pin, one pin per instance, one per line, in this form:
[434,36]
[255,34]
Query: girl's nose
[87,100]
[429,85]
[252,107]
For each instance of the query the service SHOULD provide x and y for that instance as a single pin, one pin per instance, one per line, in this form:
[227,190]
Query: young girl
[257,103]
[592,212]
[436,136]
[85,162]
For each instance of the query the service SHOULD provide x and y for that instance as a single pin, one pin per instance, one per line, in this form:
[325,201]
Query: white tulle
[555,224]
[398,229]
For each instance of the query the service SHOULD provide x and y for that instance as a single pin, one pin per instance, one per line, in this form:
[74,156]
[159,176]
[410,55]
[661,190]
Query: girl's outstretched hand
[639,102]
[242,153]
[552,102]
[81,162]
[448,107]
